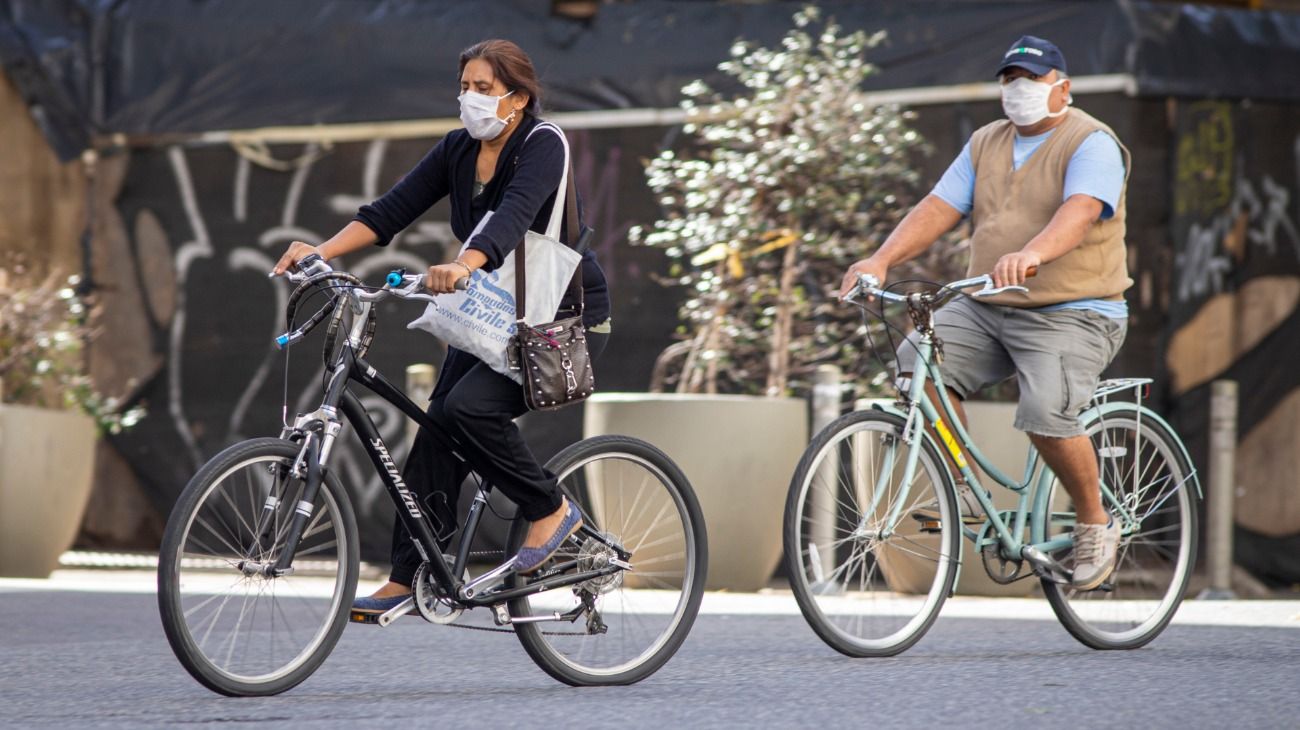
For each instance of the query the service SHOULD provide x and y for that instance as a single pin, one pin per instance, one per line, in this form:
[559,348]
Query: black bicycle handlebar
[314,271]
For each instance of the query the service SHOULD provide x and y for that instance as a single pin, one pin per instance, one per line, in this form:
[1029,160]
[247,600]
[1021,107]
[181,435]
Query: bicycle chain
[499,630]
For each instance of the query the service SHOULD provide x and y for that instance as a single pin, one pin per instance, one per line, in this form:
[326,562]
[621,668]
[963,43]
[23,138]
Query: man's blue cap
[1033,54]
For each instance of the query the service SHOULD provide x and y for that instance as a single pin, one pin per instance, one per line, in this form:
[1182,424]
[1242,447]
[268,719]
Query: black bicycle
[259,562]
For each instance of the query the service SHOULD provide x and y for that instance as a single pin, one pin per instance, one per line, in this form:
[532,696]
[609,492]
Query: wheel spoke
[1146,474]
[255,631]
[639,506]
[867,595]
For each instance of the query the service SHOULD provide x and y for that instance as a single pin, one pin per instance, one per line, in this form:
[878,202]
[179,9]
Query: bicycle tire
[186,573]
[1070,605]
[820,601]
[584,469]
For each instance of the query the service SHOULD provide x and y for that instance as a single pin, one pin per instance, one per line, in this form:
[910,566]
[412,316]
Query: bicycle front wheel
[869,576]
[237,631]
[1147,473]
[632,493]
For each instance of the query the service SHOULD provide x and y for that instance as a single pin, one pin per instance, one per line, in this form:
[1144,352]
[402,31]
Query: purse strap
[566,196]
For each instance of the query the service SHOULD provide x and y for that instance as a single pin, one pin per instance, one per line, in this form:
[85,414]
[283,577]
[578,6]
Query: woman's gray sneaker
[1095,547]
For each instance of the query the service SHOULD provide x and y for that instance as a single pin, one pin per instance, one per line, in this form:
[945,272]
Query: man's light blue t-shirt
[1096,168]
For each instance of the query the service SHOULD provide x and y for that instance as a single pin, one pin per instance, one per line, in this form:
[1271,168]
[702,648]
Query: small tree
[42,342]
[796,176]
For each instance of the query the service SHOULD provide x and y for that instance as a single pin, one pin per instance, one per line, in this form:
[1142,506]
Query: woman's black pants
[474,407]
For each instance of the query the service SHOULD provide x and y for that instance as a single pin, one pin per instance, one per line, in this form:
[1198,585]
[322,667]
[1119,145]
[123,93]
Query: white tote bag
[481,319]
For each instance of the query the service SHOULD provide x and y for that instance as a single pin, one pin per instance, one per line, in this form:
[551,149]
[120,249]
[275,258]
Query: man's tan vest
[1012,206]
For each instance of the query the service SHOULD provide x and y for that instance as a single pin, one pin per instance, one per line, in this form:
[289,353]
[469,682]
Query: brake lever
[989,291]
[293,277]
[866,282]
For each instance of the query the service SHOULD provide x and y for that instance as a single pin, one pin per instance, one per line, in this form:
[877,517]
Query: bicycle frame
[954,438]
[320,428]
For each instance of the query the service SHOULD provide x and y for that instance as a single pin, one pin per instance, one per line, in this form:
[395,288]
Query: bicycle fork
[273,523]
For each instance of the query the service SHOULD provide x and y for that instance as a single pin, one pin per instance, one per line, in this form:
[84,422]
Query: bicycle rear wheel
[867,592]
[1146,470]
[633,493]
[247,634]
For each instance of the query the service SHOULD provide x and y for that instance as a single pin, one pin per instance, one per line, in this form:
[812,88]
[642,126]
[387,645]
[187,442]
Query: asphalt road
[71,659]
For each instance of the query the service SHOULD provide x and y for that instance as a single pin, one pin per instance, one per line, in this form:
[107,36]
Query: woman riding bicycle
[485,167]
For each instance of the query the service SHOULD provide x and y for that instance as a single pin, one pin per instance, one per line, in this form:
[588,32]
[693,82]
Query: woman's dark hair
[511,65]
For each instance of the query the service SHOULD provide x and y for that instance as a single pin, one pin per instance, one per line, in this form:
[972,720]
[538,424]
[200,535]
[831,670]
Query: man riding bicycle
[1044,188]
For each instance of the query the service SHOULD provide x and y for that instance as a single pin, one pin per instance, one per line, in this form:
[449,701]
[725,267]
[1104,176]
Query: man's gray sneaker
[967,504]
[1095,548]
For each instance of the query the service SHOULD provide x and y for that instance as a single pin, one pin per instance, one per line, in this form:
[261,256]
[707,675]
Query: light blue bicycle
[871,565]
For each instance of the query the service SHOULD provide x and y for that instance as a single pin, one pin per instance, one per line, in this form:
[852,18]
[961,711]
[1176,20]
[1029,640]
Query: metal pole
[419,386]
[1219,521]
[826,394]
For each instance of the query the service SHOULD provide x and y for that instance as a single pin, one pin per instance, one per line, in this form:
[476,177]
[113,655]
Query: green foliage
[42,342]
[792,179]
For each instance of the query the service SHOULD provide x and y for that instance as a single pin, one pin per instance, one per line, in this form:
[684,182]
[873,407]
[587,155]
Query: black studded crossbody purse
[552,357]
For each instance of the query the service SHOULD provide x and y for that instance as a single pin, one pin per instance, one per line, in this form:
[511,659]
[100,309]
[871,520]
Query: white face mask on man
[478,112]
[1025,101]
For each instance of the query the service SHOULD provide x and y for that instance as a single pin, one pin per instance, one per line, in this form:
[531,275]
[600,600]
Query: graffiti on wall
[1257,215]
[1229,213]
[225,217]
[259,258]
[1235,305]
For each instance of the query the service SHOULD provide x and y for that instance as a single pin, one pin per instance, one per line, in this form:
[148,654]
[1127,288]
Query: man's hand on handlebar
[296,252]
[865,266]
[1013,268]
[442,278]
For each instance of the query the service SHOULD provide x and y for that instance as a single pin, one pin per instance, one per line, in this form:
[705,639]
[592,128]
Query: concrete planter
[738,453]
[991,425]
[46,465]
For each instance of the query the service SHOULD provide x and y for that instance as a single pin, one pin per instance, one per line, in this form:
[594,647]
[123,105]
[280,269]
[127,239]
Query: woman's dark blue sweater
[520,196]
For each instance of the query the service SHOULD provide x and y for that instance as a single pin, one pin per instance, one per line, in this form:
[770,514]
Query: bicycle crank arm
[1045,567]
[396,612]
[472,588]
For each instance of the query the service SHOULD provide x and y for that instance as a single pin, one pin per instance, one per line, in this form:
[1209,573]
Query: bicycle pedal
[362,617]
[1106,587]
[930,526]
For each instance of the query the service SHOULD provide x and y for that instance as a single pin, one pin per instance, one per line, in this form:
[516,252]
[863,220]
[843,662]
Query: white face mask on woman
[478,112]
[1025,101]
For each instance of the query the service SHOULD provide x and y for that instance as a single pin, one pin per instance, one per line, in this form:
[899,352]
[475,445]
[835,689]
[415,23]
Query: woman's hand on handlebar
[297,252]
[1013,268]
[868,267]
[442,278]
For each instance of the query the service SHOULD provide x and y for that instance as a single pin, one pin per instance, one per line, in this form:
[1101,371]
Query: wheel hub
[596,555]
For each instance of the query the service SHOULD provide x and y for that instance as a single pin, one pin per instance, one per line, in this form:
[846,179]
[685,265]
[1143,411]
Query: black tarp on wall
[149,67]
[163,68]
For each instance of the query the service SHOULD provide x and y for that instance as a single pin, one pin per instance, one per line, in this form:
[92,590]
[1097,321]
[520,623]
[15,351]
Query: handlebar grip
[462,284]
[287,339]
[1031,272]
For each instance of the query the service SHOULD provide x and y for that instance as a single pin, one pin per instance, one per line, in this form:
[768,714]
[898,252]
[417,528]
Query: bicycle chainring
[433,606]
[999,568]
